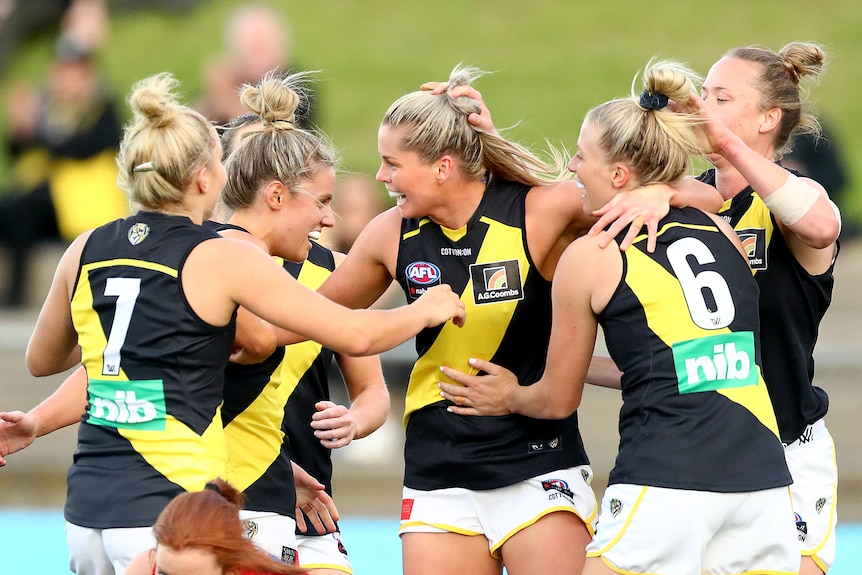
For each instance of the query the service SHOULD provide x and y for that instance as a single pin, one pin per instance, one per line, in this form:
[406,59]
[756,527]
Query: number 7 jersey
[152,427]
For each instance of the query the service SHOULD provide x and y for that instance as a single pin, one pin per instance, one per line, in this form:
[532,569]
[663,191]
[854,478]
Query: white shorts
[274,533]
[500,513]
[105,551]
[323,552]
[812,464]
[686,532]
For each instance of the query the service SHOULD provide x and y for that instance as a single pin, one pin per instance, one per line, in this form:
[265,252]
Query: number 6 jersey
[683,327]
[152,428]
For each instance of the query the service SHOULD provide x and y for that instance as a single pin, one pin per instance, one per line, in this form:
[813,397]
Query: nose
[381,174]
[573,164]
[327,218]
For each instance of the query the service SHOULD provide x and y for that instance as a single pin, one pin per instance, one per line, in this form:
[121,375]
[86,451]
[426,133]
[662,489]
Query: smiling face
[305,213]
[592,170]
[407,178]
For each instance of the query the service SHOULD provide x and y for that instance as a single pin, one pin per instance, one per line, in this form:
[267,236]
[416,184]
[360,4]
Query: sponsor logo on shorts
[496,281]
[801,528]
[754,242]
[807,436]
[558,485]
[616,507]
[289,555]
[406,508]
[420,277]
[341,548]
[819,505]
[585,475]
[715,362]
[249,528]
[138,233]
[138,404]
[542,446]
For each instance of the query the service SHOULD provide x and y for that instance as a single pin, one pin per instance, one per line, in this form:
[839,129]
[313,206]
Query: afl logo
[137,233]
[423,273]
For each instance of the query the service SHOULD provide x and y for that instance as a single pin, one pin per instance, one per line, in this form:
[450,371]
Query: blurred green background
[552,59]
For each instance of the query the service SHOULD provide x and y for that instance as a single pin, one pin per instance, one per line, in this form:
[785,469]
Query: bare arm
[336,425]
[573,335]
[818,227]
[603,372]
[246,276]
[53,347]
[62,408]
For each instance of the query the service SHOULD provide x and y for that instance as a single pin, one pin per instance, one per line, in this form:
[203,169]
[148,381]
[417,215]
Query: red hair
[209,520]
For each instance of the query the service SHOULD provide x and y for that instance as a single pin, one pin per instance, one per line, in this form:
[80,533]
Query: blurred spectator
[820,158]
[357,200]
[20,20]
[62,142]
[256,40]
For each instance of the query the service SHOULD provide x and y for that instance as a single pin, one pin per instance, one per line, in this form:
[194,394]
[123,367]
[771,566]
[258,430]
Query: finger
[300,521]
[631,234]
[315,521]
[457,410]
[455,375]
[652,235]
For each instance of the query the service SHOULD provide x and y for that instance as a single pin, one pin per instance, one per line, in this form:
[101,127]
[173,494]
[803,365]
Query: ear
[770,120]
[445,165]
[202,179]
[620,175]
[274,194]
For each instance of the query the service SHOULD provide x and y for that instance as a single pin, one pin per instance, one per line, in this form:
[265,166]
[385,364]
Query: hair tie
[145,167]
[652,101]
[213,487]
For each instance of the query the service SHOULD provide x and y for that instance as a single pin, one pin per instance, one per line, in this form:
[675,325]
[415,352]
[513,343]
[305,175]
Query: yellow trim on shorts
[440,526]
[623,530]
[525,524]
[813,552]
[331,566]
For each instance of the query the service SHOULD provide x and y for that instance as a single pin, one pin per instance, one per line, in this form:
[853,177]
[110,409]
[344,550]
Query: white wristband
[792,200]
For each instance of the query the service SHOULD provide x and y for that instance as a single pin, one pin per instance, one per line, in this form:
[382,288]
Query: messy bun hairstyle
[164,144]
[278,149]
[779,86]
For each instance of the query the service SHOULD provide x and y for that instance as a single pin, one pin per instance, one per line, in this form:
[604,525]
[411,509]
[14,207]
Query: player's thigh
[555,544]
[446,553]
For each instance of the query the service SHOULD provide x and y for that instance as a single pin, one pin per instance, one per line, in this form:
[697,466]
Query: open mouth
[314,235]
[399,198]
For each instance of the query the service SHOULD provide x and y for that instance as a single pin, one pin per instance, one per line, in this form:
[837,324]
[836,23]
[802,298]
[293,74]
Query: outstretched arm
[62,408]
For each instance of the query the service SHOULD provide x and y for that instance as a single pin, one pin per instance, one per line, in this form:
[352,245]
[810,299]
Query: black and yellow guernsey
[152,428]
[508,308]
[791,309]
[268,407]
[683,328]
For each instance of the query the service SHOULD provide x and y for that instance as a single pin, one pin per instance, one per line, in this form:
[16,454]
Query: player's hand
[333,424]
[479,394]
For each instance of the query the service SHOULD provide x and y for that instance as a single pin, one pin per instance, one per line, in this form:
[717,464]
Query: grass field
[552,59]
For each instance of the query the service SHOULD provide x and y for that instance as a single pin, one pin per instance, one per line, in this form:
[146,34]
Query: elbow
[560,410]
[37,366]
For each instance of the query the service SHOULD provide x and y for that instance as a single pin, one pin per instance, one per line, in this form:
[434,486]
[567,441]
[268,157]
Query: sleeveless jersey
[790,313]
[263,432]
[152,429]
[305,372]
[508,309]
[683,328]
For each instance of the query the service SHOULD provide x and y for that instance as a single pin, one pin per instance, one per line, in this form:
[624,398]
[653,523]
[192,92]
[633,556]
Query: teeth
[399,198]
[579,184]
[314,235]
